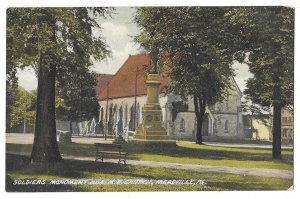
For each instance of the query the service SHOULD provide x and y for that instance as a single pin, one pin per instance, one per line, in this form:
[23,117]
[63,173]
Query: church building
[122,96]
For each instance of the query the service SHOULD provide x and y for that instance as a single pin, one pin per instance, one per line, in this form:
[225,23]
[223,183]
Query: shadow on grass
[213,153]
[18,168]
[65,168]
[17,165]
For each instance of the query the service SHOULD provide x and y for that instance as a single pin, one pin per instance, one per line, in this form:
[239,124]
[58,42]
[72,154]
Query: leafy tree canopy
[23,108]
[76,98]
[268,34]
[29,30]
[47,39]
[196,45]
[197,41]
[28,36]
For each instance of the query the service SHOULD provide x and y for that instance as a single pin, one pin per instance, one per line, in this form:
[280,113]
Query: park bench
[110,150]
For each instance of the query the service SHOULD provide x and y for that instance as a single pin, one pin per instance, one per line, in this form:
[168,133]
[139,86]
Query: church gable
[231,103]
[235,88]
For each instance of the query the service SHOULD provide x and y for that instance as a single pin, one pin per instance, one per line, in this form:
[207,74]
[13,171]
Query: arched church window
[226,126]
[182,124]
[137,115]
[120,122]
[101,114]
[115,112]
[121,113]
[131,121]
[110,115]
[126,116]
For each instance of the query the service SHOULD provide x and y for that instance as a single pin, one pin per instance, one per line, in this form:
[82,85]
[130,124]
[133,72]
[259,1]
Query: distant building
[122,99]
[287,124]
[262,126]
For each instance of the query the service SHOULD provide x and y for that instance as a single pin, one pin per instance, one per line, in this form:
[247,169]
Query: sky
[118,32]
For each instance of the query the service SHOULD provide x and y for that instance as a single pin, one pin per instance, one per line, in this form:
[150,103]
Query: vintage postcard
[149,99]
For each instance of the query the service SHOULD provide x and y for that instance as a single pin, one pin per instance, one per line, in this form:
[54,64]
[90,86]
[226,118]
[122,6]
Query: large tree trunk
[276,152]
[199,111]
[277,105]
[45,147]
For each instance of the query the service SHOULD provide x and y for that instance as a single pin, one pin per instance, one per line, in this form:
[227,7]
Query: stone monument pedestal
[151,127]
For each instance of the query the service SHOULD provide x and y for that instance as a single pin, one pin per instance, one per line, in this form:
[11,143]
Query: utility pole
[135,93]
[106,122]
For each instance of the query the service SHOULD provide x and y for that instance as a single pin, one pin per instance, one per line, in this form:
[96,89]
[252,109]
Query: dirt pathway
[266,173]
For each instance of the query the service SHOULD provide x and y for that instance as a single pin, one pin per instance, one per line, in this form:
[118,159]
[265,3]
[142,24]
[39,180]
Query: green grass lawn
[187,153]
[18,168]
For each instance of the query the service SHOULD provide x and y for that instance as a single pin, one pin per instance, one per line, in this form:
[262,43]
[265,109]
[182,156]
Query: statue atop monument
[154,59]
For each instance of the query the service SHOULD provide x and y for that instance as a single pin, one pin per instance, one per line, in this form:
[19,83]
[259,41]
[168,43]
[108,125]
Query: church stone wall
[221,129]
[227,118]
[188,130]
[225,121]
[128,102]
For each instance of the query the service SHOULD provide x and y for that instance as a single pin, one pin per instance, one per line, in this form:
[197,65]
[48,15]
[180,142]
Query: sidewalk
[266,173]
[27,138]
[254,146]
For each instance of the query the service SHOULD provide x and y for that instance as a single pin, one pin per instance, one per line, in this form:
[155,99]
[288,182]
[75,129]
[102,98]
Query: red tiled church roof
[102,81]
[123,83]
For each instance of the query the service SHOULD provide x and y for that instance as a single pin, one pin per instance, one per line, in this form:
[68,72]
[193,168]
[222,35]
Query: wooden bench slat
[109,152]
